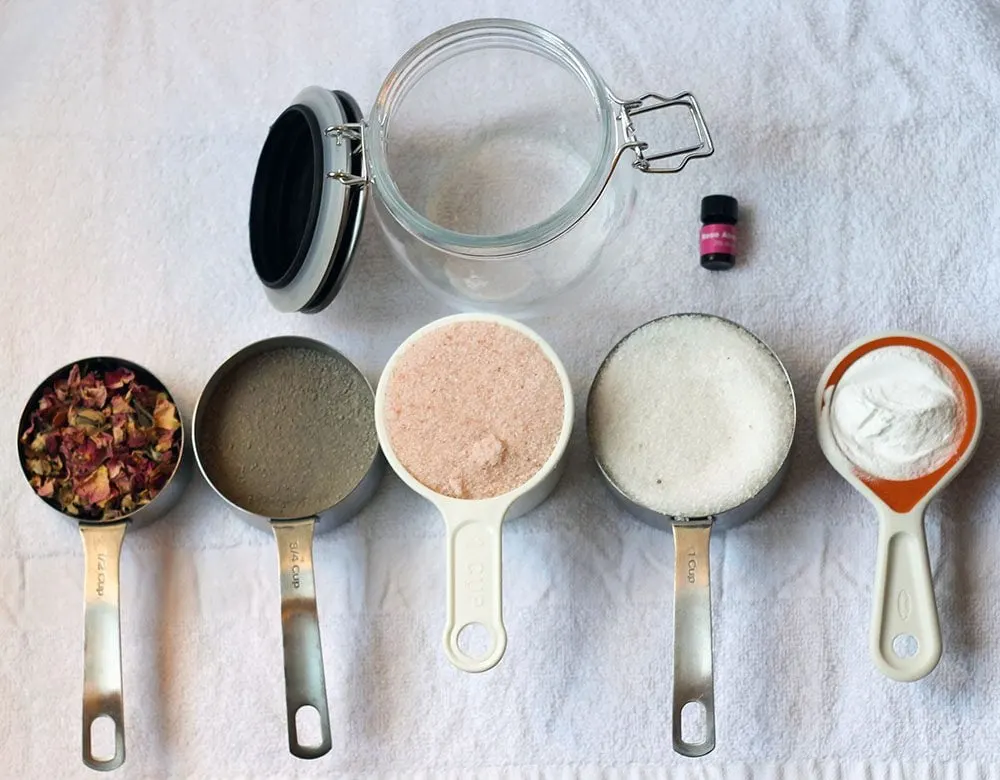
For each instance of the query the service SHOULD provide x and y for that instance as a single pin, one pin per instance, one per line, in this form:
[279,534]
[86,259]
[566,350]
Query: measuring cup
[473,527]
[693,663]
[305,681]
[904,611]
[102,545]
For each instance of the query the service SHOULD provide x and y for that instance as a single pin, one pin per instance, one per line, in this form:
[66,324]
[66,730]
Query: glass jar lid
[304,224]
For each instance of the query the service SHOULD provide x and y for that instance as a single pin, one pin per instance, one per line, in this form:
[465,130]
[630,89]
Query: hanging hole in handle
[905,646]
[694,723]
[475,640]
[308,727]
[103,739]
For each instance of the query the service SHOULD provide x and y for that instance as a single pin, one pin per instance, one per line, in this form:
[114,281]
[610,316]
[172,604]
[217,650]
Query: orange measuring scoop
[905,638]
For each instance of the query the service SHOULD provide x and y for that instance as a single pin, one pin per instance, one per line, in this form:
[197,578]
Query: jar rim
[410,68]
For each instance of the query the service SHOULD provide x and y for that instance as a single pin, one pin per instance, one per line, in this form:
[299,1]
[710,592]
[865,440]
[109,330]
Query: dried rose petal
[87,420]
[40,466]
[94,397]
[103,440]
[95,488]
[118,377]
[83,458]
[47,488]
[165,414]
[165,442]
[136,438]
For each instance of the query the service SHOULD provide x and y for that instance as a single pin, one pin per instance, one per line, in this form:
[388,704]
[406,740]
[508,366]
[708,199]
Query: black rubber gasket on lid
[336,272]
[285,200]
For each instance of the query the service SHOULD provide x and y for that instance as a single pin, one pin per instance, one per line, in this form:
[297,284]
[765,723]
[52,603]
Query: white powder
[895,413]
[691,416]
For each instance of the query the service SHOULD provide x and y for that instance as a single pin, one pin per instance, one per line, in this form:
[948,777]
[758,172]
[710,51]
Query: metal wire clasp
[352,131]
[643,157]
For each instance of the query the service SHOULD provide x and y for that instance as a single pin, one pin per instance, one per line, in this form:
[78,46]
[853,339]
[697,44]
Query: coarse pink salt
[474,409]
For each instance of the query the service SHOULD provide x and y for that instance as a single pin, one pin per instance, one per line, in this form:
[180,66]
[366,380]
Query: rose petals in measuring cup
[898,416]
[691,420]
[284,432]
[101,442]
[474,413]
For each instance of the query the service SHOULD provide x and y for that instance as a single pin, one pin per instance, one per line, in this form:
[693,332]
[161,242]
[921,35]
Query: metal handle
[474,590]
[905,636]
[305,681]
[643,157]
[102,648]
[693,681]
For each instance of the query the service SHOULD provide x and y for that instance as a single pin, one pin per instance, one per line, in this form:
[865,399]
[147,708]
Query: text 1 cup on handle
[474,582]
[102,649]
[693,673]
[305,680]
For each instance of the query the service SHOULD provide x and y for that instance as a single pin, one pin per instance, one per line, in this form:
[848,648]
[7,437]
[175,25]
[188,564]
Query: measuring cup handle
[693,677]
[474,589]
[305,680]
[102,648]
[905,635]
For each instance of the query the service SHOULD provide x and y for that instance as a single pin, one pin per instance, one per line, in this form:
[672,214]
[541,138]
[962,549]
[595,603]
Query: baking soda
[691,415]
[474,409]
[895,413]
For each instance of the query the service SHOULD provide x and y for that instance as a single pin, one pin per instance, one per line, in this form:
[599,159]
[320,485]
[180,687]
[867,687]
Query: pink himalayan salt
[474,409]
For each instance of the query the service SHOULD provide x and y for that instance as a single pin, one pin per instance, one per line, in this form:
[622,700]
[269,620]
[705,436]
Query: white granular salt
[896,414]
[691,416]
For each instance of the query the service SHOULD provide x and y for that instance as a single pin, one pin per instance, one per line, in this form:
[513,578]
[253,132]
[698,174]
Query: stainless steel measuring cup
[102,545]
[693,662]
[305,681]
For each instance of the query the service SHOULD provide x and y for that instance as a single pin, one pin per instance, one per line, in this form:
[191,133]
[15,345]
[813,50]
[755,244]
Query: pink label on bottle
[718,239]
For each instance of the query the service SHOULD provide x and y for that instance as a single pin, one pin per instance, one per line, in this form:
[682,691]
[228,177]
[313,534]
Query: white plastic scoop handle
[474,580]
[905,636]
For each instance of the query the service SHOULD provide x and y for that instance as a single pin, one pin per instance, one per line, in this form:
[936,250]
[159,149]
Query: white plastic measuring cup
[473,527]
[905,638]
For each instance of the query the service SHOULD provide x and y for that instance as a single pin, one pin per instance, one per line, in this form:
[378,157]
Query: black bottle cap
[717,262]
[719,208]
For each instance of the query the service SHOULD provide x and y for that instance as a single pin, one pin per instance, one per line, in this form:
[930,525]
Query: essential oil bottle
[719,215]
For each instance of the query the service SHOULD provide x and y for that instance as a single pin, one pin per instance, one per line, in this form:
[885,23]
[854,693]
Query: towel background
[861,139]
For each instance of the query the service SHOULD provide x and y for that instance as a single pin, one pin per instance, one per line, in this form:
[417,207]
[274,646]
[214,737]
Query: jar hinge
[353,131]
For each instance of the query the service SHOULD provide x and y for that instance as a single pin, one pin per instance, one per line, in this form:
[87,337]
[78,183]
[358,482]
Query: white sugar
[691,416]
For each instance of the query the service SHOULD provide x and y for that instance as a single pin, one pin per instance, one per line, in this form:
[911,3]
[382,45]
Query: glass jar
[491,154]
